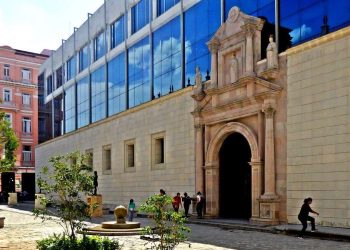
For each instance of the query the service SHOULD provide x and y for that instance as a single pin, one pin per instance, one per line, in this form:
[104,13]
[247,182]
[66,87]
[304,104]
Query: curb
[317,234]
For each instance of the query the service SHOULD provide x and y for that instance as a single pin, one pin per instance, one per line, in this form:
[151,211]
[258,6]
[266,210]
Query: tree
[65,182]
[169,226]
[9,143]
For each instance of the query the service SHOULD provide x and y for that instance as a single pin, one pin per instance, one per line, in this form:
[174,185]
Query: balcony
[9,104]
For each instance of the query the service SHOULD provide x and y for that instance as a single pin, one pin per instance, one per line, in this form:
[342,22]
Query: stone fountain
[118,227]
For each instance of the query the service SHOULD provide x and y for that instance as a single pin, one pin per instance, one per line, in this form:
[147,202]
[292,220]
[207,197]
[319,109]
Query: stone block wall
[318,128]
[169,115]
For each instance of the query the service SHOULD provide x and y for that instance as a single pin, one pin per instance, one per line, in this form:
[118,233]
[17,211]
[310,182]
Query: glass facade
[140,15]
[259,8]
[139,87]
[99,46]
[58,118]
[98,94]
[116,85]
[162,62]
[118,32]
[84,58]
[164,5]
[59,77]
[167,58]
[198,32]
[69,109]
[83,102]
[309,19]
[49,85]
[71,68]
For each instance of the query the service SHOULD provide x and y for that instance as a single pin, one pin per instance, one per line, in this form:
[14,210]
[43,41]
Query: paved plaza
[22,230]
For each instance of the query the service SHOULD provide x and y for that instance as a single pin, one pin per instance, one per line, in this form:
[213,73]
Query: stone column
[256,187]
[270,179]
[214,47]
[212,189]
[199,158]
[249,53]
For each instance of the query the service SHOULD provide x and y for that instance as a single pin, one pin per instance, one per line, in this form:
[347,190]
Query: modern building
[19,94]
[124,88]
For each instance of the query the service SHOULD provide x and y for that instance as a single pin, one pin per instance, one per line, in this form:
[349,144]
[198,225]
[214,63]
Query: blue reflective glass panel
[140,15]
[99,46]
[83,102]
[260,8]
[118,32]
[71,68]
[69,109]
[167,58]
[49,85]
[83,58]
[98,94]
[305,19]
[116,85]
[164,5]
[139,73]
[198,32]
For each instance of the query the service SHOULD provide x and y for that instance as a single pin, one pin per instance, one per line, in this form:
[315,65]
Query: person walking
[177,202]
[187,202]
[131,209]
[304,216]
[199,207]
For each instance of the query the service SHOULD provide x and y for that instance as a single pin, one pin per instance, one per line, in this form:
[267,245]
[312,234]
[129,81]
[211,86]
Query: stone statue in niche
[198,76]
[234,68]
[272,54]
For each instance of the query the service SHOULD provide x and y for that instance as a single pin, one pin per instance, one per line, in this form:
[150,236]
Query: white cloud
[35,25]
[300,32]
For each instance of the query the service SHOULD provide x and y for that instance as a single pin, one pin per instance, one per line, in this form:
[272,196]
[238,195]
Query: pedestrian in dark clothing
[187,202]
[200,204]
[304,216]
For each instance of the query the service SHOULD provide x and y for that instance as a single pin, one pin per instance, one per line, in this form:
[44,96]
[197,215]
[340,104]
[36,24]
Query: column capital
[198,126]
[249,29]
[269,111]
[213,45]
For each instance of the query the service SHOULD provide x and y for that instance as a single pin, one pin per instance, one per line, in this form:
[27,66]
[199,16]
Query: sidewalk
[329,233]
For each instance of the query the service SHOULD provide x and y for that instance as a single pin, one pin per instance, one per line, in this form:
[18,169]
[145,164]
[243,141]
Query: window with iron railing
[26,125]
[7,95]
[27,153]
[26,75]
[6,72]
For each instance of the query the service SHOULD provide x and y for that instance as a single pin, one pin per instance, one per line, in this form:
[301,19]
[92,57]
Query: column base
[269,210]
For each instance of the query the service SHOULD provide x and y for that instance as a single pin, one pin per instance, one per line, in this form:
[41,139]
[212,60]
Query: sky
[34,25]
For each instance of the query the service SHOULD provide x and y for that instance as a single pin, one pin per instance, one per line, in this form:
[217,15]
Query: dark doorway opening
[7,184]
[28,185]
[235,178]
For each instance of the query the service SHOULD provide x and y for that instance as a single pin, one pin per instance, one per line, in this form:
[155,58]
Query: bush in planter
[169,229]
[60,242]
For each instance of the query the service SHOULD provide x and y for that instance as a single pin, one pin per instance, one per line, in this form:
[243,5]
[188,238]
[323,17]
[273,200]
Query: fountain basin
[114,225]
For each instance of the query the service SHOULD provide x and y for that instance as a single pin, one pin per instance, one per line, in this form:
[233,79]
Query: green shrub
[60,242]
[168,226]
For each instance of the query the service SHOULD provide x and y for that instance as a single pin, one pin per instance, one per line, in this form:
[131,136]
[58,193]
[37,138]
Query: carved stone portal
[236,100]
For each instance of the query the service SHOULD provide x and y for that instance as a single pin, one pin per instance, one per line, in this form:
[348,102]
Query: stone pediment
[235,26]
[245,91]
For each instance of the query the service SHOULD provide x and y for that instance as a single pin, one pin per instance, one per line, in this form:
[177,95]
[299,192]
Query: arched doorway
[235,195]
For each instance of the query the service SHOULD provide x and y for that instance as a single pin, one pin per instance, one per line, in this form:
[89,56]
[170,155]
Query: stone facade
[318,127]
[169,116]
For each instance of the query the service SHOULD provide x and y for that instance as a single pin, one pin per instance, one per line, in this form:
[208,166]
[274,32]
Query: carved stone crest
[233,14]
